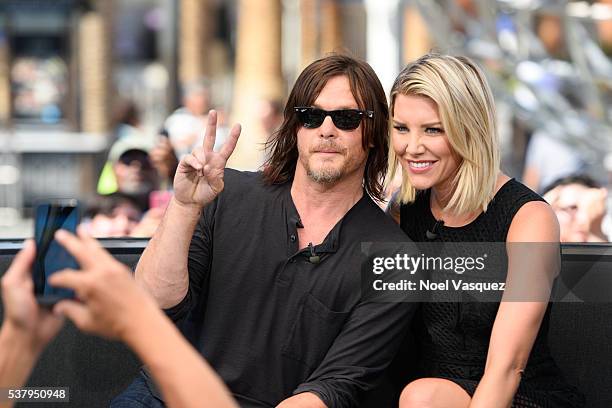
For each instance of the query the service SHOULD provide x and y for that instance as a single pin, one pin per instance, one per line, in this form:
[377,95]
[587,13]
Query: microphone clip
[433,233]
[313,258]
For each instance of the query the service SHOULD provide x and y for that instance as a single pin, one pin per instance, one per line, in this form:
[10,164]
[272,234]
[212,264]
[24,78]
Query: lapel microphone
[433,234]
[313,258]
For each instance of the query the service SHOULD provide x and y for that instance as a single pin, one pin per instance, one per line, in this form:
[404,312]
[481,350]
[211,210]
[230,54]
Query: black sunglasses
[344,119]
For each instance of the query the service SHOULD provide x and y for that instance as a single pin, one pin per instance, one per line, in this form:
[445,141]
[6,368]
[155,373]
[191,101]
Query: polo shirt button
[292,238]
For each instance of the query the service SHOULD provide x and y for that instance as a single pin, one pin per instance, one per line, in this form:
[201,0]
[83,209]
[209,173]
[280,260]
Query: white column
[382,39]
[94,75]
[258,75]
[195,34]
[5,82]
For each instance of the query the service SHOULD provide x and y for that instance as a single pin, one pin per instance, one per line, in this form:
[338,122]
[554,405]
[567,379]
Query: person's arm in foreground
[27,328]
[115,307]
[523,305]
[162,269]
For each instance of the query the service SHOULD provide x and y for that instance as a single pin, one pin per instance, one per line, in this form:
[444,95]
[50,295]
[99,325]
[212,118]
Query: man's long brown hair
[369,94]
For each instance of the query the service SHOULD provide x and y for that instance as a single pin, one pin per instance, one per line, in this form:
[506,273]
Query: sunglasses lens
[311,118]
[347,119]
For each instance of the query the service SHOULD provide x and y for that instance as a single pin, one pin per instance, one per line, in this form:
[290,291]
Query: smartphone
[50,255]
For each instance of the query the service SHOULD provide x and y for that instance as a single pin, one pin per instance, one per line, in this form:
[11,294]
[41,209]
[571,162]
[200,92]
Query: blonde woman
[445,140]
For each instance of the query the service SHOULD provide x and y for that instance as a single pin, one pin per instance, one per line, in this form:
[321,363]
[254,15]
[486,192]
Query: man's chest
[277,271]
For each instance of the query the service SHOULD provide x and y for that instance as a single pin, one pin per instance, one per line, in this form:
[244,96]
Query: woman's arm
[524,303]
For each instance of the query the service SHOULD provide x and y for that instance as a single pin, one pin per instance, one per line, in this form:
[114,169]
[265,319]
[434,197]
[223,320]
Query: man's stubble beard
[329,174]
[325,176]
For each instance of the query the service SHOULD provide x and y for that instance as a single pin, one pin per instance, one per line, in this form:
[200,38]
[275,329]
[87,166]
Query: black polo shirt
[275,321]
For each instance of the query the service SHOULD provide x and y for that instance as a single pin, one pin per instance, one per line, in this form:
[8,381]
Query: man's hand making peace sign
[199,176]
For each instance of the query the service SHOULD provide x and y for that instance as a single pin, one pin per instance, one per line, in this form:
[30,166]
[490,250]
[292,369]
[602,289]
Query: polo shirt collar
[293,222]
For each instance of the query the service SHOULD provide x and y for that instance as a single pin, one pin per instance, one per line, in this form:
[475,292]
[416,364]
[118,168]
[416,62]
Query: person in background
[548,159]
[110,304]
[549,156]
[112,216]
[118,215]
[550,29]
[186,125]
[126,126]
[182,130]
[126,120]
[604,29]
[164,160]
[580,205]
[133,173]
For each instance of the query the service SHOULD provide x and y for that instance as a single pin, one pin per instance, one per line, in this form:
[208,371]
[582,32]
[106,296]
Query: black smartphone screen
[50,255]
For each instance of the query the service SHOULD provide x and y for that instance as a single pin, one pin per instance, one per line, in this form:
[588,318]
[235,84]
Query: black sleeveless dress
[453,338]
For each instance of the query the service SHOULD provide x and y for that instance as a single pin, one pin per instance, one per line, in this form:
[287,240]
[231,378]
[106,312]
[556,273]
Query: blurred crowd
[135,185]
[580,205]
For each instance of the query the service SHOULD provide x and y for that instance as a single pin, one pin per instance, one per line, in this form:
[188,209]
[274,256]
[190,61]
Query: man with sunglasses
[262,270]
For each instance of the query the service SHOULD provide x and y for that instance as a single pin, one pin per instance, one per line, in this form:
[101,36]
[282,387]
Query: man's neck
[322,205]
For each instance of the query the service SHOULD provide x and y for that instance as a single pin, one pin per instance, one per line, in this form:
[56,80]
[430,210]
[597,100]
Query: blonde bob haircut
[467,112]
